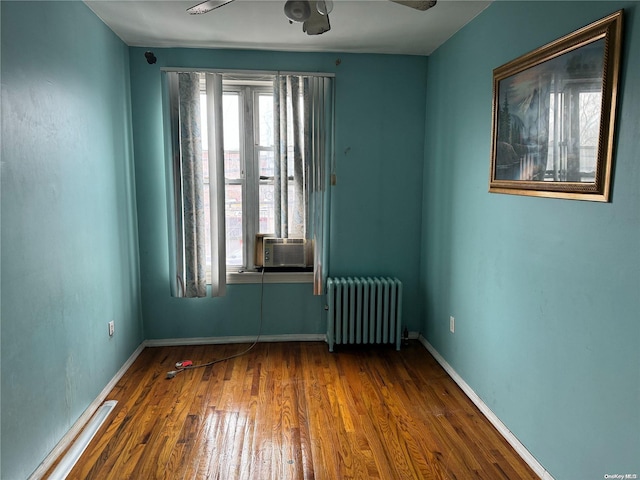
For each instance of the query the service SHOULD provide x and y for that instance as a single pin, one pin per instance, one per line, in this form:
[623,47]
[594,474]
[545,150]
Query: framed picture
[553,116]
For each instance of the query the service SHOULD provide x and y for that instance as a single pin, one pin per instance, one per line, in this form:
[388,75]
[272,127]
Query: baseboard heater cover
[80,444]
[364,310]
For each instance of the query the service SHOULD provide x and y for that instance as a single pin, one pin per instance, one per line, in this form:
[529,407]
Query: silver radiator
[364,310]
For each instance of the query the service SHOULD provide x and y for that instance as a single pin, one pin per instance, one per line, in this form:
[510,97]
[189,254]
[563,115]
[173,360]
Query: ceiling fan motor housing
[297,10]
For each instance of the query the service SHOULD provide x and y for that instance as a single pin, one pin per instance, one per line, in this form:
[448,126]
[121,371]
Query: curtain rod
[246,72]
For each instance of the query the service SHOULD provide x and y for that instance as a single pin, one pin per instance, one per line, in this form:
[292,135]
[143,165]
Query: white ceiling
[358,26]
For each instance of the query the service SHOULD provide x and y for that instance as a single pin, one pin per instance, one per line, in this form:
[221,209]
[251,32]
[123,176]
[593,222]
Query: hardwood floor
[295,411]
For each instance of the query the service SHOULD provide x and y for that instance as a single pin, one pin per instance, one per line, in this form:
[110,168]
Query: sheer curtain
[303,125]
[188,248]
[289,141]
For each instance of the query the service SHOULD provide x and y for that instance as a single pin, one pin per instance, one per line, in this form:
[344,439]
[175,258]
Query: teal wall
[375,224]
[69,244]
[545,292]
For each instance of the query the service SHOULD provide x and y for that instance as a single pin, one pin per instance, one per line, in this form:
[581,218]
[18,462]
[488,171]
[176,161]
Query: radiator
[364,311]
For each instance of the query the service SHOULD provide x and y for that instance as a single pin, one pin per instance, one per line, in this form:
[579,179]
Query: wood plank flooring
[295,411]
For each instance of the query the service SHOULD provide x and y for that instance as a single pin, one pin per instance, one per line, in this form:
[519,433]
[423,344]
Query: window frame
[253,276]
[244,166]
[248,92]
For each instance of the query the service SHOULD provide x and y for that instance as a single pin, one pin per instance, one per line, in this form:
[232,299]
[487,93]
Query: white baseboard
[176,342]
[486,411]
[77,427]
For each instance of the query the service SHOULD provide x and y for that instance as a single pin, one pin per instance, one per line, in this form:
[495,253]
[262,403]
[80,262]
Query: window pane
[232,170]
[233,222]
[265,163]
[266,209]
[231,115]
[265,119]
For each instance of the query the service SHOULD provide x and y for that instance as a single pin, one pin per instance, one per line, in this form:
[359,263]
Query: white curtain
[188,253]
[290,191]
[307,143]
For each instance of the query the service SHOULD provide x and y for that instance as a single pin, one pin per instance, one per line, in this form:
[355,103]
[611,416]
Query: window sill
[269,277]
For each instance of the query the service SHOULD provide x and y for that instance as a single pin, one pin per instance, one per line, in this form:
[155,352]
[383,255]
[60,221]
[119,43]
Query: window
[248,133]
[248,156]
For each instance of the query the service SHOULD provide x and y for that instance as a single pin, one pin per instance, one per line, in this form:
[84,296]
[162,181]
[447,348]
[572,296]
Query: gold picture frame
[554,115]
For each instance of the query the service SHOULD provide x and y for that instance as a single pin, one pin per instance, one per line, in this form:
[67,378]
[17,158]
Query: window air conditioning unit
[287,252]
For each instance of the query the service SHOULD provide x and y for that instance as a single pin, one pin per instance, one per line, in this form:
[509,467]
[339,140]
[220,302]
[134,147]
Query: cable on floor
[173,373]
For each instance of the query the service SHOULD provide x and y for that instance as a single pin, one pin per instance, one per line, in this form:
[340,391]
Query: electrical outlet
[112,328]
[452,324]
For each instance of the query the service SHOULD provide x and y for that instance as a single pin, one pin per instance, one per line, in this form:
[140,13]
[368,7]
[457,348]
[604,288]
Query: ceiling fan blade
[207,6]
[417,4]
[317,23]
